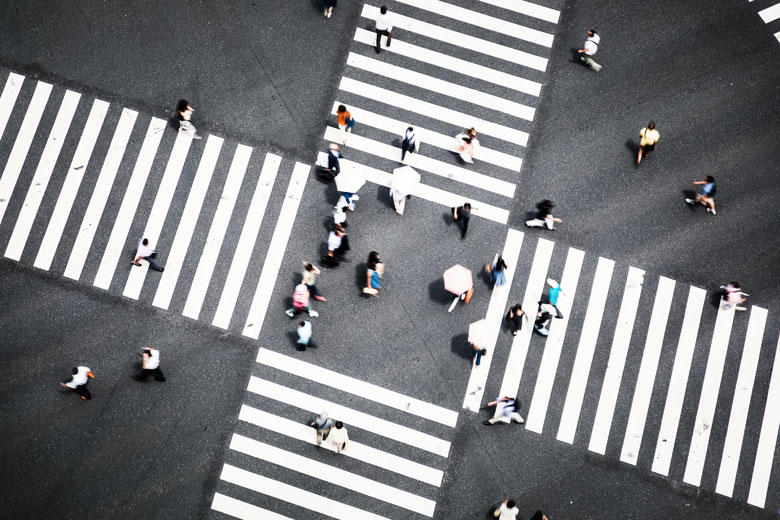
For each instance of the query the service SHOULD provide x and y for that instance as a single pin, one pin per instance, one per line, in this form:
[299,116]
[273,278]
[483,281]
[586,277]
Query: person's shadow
[438,294]
[575,57]
[460,346]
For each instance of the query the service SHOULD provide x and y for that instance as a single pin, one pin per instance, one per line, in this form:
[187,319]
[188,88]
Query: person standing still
[507,510]
[184,114]
[79,378]
[383,27]
[590,48]
[323,424]
[648,139]
[410,143]
[462,214]
[337,435]
[146,252]
[150,365]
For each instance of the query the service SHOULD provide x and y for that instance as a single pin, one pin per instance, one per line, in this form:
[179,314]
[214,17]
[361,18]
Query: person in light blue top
[497,275]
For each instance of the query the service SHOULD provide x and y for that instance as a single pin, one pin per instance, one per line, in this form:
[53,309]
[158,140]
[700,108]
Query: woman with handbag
[346,122]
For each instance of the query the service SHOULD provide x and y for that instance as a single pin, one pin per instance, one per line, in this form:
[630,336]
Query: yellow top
[649,137]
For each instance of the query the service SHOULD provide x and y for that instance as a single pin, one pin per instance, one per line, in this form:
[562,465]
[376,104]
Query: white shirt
[592,44]
[411,137]
[153,361]
[334,241]
[383,22]
[144,251]
[339,216]
[338,436]
[304,333]
[79,378]
[508,514]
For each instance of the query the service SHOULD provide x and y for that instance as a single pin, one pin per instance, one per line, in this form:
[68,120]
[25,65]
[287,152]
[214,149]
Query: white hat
[552,283]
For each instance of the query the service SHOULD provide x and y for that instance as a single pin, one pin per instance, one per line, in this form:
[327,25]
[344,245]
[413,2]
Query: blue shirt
[707,188]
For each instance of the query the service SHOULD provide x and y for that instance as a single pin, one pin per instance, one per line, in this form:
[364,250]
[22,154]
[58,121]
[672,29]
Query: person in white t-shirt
[79,378]
[590,48]
[338,438]
[383,27]
[507,510]
[146,252]
[150,365]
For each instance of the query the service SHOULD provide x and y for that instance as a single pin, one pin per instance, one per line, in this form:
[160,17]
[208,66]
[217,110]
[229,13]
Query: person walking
[410,143]
[544,317]
[462,215]
[383,27]
[544,216]
[301,302]
[507,510]
[333,159]
[476,354]
[309,277]
[79,377]
[337,435]
[375,269]
[304,335]
[338,245]
[323,424]
[150,365]
[340,215]
[146,252]
[706,195]
[590,48]
[515,317]
[327,7]
[506,411]
[184,115]
[554,292]
[464,147]
[497,272]
[346,122]
[733,297]
[648,140]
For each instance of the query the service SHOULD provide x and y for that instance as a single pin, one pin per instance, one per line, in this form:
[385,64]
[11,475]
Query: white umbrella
[349,181]
[478,333]
[404,179]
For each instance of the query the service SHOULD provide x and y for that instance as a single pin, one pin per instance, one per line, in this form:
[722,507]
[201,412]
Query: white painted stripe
[357,387]
[239,509]
[358,451]
[484,21]
[635,428]
[770,14]
[528,9]
[22,144]
[124,219]
[422,162]
[246,242]
[537,411]
[160,207]
[100,193]
[332,475]
[709,397]
[729,462]
[293,495]
[617,360]
[187,222]
[40,180]
[585,350]
[458,119]
[686,344]
[510,384]
[276,249]
[8,98]
[777,35]
[459,39]
[211,250]
[445,61]
[429,137]
[59,217]
[426,192]
[767,439]
[351,417]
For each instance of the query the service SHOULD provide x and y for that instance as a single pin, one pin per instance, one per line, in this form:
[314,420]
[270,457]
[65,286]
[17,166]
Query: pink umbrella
[457,280]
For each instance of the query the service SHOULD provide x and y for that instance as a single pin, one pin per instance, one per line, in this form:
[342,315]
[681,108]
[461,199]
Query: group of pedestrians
[332,431]
[508,510]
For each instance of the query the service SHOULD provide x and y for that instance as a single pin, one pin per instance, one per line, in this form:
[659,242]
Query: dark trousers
[146,372]
[83,391]
[406,146]
[517,321]
[152,264]
[379,34]
[464,226]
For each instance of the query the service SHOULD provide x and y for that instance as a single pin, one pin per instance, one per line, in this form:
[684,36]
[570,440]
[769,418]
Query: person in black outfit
[515,317]
[463,214]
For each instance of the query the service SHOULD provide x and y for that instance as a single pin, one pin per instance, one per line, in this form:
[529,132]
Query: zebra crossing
[448,67]
[707,429]
[131,176]
[770,15]
[393,465]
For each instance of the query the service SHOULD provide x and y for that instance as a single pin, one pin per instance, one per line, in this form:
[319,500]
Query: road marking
[527,8]
[446,115]
[482,20]
[770,14]
[293,495]
[709,397]
[459,39]
[740,405]
[445,61]
[617,360]
[777,35]
[239,509]
[22,144]
[767,439]
[513,372]
[187,222]
[361,452]
[219,224]
[554,344]
[424,191]
[70,187]
[276,250]
[352,417]
[686,345]
[8,98]
[332,474]
[422,162]
[160,207]
[246,242]
[357,387]
[124,219]
[40,180]
[429,137]
[643,391]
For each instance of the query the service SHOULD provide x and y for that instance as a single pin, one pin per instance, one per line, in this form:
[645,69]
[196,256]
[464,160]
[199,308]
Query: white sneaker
[355,197]
[313,313]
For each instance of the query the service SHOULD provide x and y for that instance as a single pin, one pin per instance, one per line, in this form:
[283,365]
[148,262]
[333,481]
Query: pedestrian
[309,277]
[338,245]
[327,7]
[347,199]
[515,317]
[150,365]
[507,510]
[383,27]
[497,274]
[462,215]
[346,122]
[464,147]
[301,302]
[733,296]
[648,140]
[506,411]
[554,292]
[544,317]
[410,143]
[375,269]
[340,215]
[146,252]
[544,216]
[184,114]
[79,377]
[304,335]
[706,195]
[323,424]
[590,48]
[476,354]
[333,159]
[539,515]
[338,437]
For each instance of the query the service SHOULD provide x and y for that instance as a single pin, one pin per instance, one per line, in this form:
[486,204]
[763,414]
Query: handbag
[351,122]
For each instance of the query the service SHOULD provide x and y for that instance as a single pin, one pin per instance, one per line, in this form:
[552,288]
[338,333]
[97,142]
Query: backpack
[300,299]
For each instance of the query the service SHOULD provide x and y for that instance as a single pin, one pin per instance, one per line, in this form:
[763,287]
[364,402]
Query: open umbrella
[478,334]
[457,280]
[404,179]
[349,181]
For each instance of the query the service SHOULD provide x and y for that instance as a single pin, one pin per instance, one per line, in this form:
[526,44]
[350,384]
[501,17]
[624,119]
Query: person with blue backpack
[374,272]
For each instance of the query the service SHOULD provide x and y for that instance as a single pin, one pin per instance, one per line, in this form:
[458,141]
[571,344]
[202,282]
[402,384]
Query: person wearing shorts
[648,139]
[706,196]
